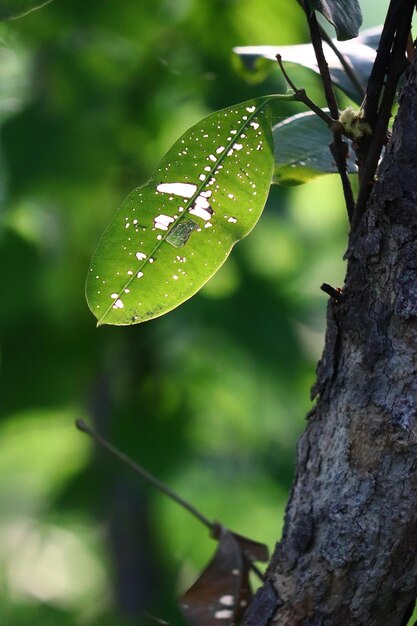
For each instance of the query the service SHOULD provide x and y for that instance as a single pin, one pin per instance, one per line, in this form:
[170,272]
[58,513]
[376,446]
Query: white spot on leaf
[163,221]
[140,256]
[118,304]
[186,190]
[201,207]
[201,202]
[201,212]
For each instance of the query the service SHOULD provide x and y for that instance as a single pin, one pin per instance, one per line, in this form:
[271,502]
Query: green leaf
[302,150]
[345,15]
[171,235]
[360,53]
[12,9]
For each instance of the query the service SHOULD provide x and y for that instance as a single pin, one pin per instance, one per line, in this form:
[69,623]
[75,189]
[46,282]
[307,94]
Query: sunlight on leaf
[171,235]
[360,53]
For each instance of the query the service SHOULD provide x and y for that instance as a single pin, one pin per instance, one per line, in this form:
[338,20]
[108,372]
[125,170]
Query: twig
[396,66]
[345,63]
[82,426]
[340,153]
[339,148]
[372,99]
[301,96]
[379,68]
[322,63]
[255,569]
[158,484]
[332,292]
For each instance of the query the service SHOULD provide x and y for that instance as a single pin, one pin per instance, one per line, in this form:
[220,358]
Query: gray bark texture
[348,555]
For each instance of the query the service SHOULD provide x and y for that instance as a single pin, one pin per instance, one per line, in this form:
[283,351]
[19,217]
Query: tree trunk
[348,555]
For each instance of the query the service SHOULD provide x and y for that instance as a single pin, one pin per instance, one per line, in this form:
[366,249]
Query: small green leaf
[360,53]
[171,235]
[345,15]
[302,150]
[12,9]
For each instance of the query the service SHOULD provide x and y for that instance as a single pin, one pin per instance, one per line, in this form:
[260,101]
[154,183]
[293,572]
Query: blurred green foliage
[211,397]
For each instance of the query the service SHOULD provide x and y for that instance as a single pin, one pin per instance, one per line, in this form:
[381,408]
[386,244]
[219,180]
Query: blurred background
[211,397]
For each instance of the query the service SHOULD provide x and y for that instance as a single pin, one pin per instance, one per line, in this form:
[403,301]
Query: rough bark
[348,555]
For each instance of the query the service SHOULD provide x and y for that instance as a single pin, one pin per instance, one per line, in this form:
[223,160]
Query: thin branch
[345,63]
[322,63]
[396,66]
[301,96]
[340,153]
[155,482]
[158,484]
[339,148]
[379,68]
[336,294]
[255,569]
[285,74]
